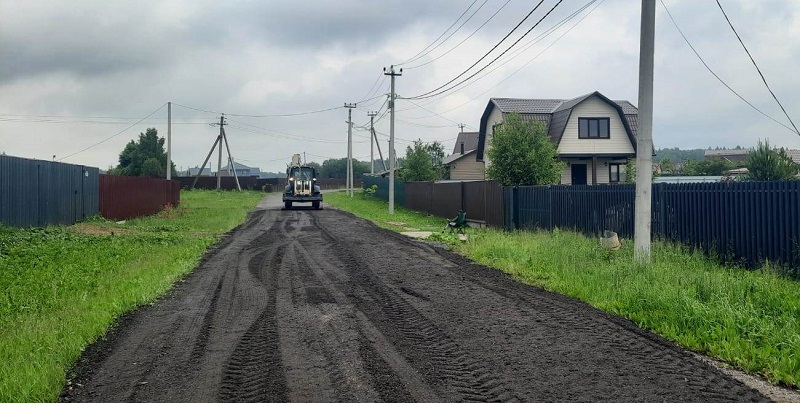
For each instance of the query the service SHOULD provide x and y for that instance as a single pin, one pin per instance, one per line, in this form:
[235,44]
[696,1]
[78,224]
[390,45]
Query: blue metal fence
[39,193]
[745,222]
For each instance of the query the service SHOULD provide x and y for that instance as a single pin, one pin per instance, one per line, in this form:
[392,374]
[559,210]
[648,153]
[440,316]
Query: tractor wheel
[287,205]
[315,204]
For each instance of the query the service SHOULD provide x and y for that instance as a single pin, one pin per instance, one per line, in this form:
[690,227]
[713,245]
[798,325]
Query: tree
[145,157]
[666,165]
[337,168]
[423,162]
[630,170]
[522,154]
[770,164]
[714,166]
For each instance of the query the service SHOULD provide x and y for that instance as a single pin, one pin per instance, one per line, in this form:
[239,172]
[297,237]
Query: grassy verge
[750,320]
[63,286]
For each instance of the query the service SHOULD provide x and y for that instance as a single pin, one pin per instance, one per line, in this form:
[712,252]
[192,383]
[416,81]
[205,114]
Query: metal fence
[744,222]
[124,197]
[382,190]
[482,200]
[36,193]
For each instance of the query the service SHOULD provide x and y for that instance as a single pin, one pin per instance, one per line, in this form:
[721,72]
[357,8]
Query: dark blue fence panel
[742,222]
[39,193]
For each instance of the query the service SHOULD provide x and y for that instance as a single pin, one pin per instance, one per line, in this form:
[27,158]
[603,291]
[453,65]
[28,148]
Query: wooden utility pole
[644,138]
[392,162]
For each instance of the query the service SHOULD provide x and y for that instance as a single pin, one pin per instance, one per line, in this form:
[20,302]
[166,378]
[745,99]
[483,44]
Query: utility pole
[644,143]
[392,162]
[221,139]
[461,127]
[350,148]
[169,140]
[372,142]
[219,160]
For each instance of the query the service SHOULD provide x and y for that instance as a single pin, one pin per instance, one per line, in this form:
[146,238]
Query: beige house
[462,163]
[595,135]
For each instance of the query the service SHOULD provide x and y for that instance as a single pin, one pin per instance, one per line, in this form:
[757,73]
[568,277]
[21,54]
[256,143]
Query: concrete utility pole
[350,147]
[372,142]
[169,140]
[461,127]
[392,162]
[644,141]
[219,161]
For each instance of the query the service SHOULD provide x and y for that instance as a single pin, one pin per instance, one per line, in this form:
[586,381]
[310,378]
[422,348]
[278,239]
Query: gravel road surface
[320,306]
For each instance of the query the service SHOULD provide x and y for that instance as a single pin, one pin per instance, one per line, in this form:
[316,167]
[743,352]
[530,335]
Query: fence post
[515,207]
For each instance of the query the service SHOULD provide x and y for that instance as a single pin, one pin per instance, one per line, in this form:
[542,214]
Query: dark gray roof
[470,140]
[508,105]
[455,157]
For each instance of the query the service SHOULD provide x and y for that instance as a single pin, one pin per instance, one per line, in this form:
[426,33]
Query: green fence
[383,188]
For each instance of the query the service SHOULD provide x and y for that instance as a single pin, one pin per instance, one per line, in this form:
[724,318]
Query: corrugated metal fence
[124,197]
[382,191]
[36,193]
[747,222]
[482,200]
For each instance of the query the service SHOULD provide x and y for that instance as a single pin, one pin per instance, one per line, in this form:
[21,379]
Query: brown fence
[482,200]
[123,197]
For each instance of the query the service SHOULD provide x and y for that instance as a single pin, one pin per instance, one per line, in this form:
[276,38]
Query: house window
[615,173]
[593,128]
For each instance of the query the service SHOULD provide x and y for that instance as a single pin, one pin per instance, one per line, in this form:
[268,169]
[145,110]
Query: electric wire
[260,116]
[487,53]
[462,41]
[115,134]
[730,24]
[715,74]
[246,127]
[454,32]
[417,56]
[440,92]
[561,23]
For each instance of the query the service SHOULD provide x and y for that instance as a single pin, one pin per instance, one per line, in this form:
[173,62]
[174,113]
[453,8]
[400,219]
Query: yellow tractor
[301,185]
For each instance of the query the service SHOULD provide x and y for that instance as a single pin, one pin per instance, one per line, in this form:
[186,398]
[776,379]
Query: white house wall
[495,117]
[602,170]
[593,107]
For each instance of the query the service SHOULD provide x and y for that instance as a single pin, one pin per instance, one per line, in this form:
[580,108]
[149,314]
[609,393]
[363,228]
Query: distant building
[736,157]
[195,170]
[462,163]
[241,170]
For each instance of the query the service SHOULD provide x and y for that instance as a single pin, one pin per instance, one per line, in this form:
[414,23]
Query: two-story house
[595,135]
[462,164]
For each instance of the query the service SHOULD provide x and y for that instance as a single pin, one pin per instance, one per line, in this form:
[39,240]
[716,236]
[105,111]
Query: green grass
[63,286]
[749,319]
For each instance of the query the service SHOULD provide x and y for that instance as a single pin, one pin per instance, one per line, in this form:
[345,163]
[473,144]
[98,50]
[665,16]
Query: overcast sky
[75,73]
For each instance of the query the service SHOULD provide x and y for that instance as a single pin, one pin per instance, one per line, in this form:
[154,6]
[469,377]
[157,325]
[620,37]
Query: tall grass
[750,319]
[63,286]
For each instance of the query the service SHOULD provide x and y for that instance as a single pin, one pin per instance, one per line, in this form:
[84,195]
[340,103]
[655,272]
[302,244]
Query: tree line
[521,153]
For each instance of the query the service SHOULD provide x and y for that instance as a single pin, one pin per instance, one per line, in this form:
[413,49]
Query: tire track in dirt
[254,370]
[449,366]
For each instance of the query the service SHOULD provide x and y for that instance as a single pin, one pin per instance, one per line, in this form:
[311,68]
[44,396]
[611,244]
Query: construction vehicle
[301,185]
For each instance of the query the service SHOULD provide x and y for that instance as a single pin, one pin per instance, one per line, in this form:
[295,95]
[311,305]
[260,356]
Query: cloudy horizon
[76,73]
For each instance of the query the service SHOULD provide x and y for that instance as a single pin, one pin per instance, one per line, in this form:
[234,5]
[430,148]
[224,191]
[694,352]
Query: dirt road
[309,306]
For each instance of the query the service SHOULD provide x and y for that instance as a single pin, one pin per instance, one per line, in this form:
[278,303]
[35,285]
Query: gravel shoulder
[318,305]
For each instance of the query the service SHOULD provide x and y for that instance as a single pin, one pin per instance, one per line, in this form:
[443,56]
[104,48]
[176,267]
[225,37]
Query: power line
[430,95]
[756,66]
[115,134]
[260,116]
[715,74]
[418,55]
[527,46]
[487,53]
[454,32]
[245,127]
[464,40]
